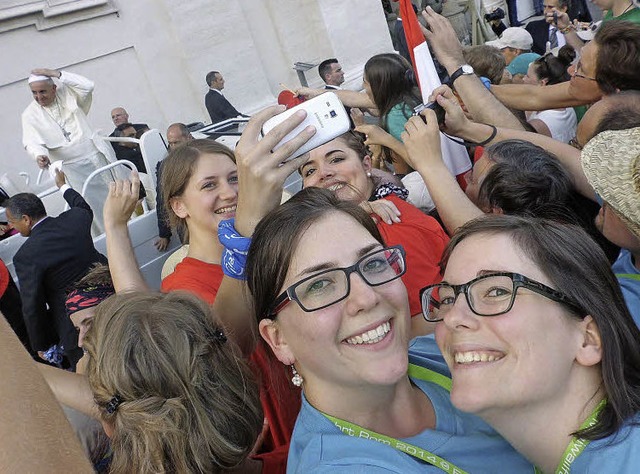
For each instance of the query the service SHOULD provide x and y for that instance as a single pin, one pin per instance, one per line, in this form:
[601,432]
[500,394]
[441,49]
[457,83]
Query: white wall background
[151,56]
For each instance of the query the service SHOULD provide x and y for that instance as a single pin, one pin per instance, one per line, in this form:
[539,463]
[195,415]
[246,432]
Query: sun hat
[514,37]
[611,163]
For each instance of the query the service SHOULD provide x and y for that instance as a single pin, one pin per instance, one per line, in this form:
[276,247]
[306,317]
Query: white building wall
[151,56]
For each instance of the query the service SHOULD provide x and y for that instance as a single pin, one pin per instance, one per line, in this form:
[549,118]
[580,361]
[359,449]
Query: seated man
[119,116]
[58,252]
[126,150]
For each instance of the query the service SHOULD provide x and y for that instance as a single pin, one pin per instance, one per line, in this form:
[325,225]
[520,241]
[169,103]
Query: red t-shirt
[195,276]
[423,240]
[279,399]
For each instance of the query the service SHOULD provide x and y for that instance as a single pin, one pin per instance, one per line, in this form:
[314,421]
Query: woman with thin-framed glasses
[330,301]
[540,343]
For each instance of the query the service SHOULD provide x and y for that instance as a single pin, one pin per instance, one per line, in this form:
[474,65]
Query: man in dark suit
[58,252]
[219,107]
[331,73]
[543,32]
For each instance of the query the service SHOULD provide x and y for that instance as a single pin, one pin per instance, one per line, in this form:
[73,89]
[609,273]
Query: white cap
[515,37]
[38,78]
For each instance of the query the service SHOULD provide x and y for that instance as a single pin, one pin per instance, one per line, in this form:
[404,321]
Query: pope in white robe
[55,129]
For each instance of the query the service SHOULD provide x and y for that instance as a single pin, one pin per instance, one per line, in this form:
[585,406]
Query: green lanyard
[630,276]
[351,429]
[577,445]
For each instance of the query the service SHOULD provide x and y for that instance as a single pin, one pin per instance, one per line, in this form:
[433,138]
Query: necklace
[65,132]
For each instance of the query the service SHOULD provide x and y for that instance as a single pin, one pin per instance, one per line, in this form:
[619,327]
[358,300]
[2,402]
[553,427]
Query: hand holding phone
[325,112]
[437,108]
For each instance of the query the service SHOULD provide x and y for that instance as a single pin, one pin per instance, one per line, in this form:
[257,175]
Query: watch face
[466,69]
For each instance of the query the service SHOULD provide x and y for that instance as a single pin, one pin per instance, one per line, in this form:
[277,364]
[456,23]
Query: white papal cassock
[61,132]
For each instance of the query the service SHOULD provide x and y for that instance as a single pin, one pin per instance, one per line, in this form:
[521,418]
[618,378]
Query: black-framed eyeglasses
[488,295]
[328,287]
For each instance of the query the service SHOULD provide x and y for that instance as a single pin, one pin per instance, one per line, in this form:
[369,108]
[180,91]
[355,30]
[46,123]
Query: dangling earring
[368,174]
[297,378]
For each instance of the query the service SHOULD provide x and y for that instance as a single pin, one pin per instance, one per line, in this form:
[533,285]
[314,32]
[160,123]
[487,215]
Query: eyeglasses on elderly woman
[487,295]
[330,286]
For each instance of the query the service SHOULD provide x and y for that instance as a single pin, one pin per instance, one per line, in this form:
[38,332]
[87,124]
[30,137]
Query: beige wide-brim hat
[611,163]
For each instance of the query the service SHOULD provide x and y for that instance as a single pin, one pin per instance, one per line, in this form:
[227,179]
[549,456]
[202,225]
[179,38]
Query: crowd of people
[484,320]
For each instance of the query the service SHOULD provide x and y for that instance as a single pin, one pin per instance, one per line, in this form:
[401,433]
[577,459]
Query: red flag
[454,155]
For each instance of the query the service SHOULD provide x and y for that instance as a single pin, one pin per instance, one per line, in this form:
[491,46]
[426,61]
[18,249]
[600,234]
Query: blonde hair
[188,402]
[178,168]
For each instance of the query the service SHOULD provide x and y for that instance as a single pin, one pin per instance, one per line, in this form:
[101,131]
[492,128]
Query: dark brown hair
[278,235]
[618,61]
[392,82]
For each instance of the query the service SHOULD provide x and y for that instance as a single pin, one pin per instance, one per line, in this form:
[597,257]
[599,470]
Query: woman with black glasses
[330,303]
[540,343]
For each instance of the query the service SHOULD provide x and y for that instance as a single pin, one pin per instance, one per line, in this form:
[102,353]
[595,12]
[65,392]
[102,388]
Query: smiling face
[211,194]
[327,345]
[515,360]
[337,167]
[44,92]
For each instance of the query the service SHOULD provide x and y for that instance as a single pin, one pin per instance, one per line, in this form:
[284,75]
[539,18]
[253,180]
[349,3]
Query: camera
[437,108]
[497,14]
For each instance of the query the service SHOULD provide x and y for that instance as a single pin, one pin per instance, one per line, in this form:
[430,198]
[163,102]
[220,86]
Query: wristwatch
[463,70]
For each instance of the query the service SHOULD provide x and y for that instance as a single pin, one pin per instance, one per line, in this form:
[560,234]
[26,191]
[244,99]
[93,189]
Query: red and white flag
[454,155]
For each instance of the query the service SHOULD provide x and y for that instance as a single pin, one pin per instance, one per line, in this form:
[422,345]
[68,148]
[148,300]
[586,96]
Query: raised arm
[531,97]
[476,132]
[70,389]
[423,145]
[261,177]
[481,103]
[120,204]
[348,98]
[35,434]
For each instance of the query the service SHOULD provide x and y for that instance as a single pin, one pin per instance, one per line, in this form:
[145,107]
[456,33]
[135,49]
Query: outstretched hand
[384,209]
[261,171]
[122,201]
[443,40]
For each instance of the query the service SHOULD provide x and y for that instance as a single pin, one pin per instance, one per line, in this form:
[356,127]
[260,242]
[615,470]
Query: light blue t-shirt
[396,118]
[619,453]
[318,446]
[630,287]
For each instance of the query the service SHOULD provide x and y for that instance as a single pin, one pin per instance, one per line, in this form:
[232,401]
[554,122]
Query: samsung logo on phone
[319,119]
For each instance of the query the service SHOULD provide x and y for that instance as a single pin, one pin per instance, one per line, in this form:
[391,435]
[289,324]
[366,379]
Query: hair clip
[113,404]
[219,335]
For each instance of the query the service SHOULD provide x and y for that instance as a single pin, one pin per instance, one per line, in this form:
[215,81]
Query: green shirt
[632,15]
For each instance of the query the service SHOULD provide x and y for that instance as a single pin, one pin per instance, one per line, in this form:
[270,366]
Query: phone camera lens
[333,113]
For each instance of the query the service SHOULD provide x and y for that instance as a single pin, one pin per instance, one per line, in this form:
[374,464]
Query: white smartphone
[325,112]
